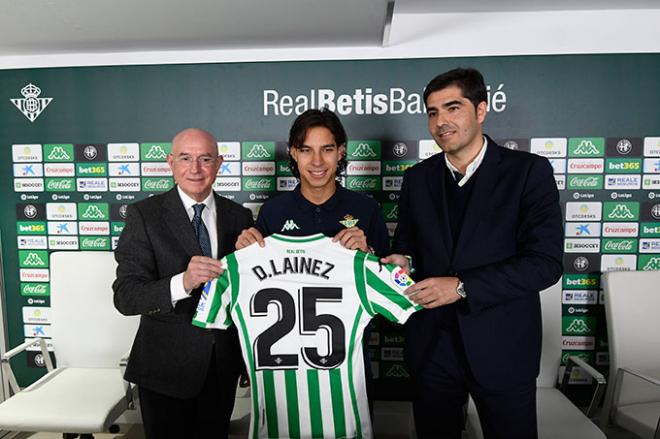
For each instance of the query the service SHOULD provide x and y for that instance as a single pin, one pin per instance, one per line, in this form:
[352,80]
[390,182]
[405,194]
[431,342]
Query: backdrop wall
[81,143]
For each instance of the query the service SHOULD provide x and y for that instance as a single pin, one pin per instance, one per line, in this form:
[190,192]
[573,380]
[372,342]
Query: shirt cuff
[177,291]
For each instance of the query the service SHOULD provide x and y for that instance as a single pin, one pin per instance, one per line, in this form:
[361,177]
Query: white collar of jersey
[307,238]
[472,167]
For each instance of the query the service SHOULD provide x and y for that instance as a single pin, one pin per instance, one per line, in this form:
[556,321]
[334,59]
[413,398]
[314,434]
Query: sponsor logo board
[123,152]
[549,147]
[620,262]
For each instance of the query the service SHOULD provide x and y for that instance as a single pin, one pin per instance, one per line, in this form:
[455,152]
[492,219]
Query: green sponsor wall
[595,116]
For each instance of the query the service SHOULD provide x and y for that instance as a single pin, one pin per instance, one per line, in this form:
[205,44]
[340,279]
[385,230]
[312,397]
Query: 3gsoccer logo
[31,105]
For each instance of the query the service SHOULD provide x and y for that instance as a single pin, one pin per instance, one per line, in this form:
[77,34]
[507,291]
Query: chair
[558,417]
[86,392]
[632,301]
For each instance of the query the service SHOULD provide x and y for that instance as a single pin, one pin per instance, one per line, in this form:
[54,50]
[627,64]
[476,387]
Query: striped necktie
[201,231]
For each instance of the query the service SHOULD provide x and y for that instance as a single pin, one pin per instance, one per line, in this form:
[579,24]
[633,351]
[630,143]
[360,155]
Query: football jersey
[301,305]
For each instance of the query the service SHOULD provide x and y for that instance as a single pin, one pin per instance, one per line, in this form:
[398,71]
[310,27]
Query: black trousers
[441,392]
[205,416]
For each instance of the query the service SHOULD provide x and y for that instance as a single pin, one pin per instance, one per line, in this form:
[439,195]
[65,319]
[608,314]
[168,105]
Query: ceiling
[33,27]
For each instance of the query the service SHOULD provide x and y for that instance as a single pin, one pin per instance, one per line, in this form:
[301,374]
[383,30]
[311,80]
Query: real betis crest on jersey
[301,305]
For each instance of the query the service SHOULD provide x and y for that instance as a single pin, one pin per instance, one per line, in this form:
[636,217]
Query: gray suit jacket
[169,354]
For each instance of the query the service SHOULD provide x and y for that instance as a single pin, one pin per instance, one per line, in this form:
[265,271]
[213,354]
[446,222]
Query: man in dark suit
[481,226]
[168,249]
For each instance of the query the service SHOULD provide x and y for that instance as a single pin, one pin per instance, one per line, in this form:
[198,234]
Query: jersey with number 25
[301,305]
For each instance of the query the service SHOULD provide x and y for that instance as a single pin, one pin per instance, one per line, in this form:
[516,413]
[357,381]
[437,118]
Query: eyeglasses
[204,161]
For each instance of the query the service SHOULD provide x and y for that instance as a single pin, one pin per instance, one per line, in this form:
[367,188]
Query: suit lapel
[436,179]
[176,218]
[483,187]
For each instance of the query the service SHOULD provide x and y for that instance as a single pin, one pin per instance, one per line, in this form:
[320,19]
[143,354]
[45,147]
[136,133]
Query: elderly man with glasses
[170,246]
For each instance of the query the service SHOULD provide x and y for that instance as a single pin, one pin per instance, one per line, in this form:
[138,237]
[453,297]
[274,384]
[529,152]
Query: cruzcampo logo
[258,151]
[580,325]
[618,245]
[116,228]
[649,230]
[621,211]
[396,167]
[154,152]
[581,281]
[35,289]
[363,150]
[623,166]
[91,169]
[282,168]
[586,147]
[585,182]
[95,243]
[391,212]
[58,152]
[60,185]
[33,258]
[648,262]
[369,184]
[259,184]
[93,211]
[31,228]
[151,184]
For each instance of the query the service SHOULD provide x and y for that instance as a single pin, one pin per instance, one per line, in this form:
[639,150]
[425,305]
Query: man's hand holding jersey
[200,270]
[431,292]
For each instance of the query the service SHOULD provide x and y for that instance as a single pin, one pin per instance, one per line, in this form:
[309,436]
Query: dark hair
[311,119]
[469,80]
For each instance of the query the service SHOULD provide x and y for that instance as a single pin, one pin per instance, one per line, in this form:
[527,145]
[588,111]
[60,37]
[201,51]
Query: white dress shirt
[177,291]
[471,168]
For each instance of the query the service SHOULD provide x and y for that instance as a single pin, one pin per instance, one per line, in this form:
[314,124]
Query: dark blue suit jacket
[510,247]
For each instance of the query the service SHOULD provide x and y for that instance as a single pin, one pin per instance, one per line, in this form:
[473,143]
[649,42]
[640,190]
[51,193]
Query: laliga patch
[349,221]
[400,278]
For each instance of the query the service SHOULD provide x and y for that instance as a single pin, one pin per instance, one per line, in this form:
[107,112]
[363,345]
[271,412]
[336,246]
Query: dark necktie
[201,231]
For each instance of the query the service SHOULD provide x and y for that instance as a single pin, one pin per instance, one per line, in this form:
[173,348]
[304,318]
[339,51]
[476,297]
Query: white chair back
[551,347]
[632,305]
[86,328]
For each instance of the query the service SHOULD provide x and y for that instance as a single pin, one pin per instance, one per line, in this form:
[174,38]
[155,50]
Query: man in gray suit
[170,246]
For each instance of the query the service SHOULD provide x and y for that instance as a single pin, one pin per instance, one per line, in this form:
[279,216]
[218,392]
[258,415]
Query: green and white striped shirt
[301,305]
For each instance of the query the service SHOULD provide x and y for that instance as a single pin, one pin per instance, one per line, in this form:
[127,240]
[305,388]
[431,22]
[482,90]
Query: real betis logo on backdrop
[31,105]
[363,150]
[586,147]
[258,151]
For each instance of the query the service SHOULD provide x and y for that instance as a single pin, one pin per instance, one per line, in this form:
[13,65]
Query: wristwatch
[460,289]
